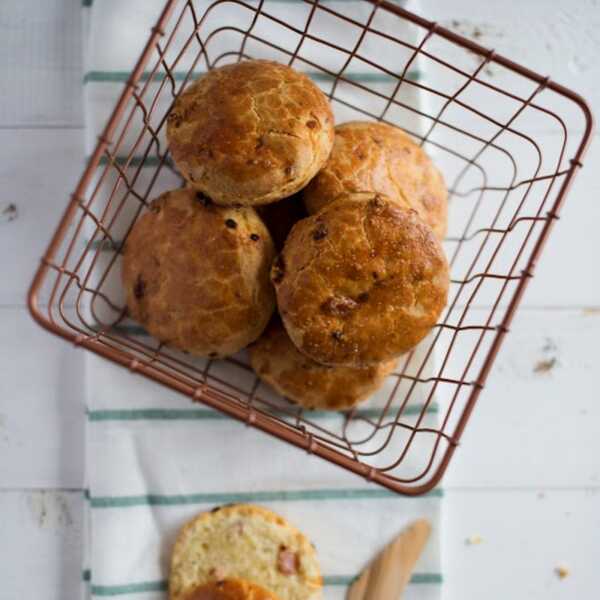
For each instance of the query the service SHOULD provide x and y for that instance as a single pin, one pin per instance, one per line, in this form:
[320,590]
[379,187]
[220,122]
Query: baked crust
[360,282]
[377,157]
[312,385]
[250,133]
[229,589]
[196,275]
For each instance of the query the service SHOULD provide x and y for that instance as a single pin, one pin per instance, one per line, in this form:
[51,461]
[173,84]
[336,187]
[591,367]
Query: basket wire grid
[486,121]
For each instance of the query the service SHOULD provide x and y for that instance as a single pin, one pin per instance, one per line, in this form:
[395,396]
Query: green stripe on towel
[162,586]
[417,578]
[123,76]
[201,414]
[154,414]
[129,588]
[265,496]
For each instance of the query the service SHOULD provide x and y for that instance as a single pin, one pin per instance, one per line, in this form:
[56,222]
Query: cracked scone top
[310,384]
[376,157]
[243,541]
[362,281]
[196,275]
[250,133]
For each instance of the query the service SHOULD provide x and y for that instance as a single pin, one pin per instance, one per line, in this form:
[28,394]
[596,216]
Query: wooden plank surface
[525,537]
[41,536]
[41,408]
[526,478]
[554,38]
[535,425]
[38,171]
[537,420]
[504,544]
[41,63]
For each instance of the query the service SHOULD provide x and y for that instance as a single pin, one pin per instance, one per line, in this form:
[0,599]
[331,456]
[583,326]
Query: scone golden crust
[360,282]
[245,542]
[229,589]
[196,275]
[312,385]
[376,157]
[250,133]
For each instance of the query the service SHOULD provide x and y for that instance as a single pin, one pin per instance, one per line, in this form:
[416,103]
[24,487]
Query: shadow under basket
[508,141]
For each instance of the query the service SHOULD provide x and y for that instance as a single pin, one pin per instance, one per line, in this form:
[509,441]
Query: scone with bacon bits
[246,542]
[376,157]
[308,383]
[196,275]
[360,282]
[250,133]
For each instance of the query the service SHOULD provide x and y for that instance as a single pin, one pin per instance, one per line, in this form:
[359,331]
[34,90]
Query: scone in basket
[508,141]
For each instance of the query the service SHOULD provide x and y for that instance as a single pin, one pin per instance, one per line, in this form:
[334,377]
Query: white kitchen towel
[154,459]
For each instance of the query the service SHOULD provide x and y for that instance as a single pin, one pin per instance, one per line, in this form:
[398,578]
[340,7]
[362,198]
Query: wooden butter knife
[387,576]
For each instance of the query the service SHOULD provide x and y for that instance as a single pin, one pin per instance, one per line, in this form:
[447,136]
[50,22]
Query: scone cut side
[245,542]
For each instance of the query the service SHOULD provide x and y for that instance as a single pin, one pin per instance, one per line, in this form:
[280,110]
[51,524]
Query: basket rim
[217,399]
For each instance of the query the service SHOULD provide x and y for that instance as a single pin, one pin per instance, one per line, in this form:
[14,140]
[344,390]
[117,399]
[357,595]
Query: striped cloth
[154,460]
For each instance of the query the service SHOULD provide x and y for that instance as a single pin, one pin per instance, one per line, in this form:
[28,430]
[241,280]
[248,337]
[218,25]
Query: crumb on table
[562,572]
[473,540]
[544,366]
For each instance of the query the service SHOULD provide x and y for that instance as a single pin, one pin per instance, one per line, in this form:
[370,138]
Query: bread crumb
[473,540]
[543,366]
[562,572]
[8,212]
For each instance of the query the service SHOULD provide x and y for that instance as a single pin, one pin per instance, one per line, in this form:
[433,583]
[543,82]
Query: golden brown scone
[196,275]
[312,385]
[376,157]
[250,133]
[246,542]
[280,217]
[229,589]
[360,282]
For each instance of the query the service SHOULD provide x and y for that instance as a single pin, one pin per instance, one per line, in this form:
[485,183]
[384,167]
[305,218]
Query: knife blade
[386,577]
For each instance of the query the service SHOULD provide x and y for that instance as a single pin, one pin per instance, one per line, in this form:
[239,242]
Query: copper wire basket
[508,140]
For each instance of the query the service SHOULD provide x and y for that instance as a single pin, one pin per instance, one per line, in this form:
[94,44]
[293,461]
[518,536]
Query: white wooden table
[527,478]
